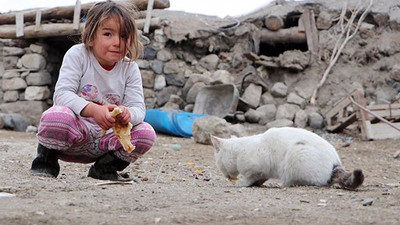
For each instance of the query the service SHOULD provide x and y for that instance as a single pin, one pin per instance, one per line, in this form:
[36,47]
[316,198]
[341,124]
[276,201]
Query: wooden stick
[159,171]
[77,15]
[38,20]
[19,24]
[148,16]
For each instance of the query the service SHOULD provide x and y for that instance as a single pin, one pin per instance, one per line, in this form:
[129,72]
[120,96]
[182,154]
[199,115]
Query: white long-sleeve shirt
[82,80]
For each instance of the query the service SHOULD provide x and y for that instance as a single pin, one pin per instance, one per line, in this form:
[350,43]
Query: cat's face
[219,152]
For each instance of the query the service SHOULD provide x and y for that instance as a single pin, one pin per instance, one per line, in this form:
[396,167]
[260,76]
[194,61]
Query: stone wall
[26,82]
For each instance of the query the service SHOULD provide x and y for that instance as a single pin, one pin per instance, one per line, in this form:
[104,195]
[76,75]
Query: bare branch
[349,35]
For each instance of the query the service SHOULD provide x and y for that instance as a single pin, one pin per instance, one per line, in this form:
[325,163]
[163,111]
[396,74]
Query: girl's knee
[144,132]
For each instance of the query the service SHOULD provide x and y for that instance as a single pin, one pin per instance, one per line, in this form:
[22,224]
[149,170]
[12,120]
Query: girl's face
[109,46]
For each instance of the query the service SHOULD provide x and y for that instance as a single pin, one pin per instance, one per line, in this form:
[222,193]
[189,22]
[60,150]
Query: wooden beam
[289,35]
[66,12]
[61,29]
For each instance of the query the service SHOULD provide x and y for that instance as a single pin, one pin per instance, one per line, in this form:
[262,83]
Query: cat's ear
[216,142]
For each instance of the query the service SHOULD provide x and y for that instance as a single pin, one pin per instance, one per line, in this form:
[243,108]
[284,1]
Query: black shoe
[106,167]
[46,162]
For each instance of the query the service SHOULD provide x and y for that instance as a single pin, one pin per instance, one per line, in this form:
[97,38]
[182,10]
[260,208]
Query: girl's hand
[100,114]
[103,118]
[125,116]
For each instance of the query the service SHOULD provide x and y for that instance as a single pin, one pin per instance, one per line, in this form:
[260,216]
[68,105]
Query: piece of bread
[122,131]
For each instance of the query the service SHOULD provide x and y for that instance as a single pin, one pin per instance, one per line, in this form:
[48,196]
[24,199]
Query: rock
[31,129]
[396,155]
[39,78]
[279,90]
[10,96]
[33,61]
[160,82]
[238,130]
[164,55]
[164,94]
[193,91]
[252,95]
[301,119]
[15,83]
[252,116]
[209,62]
[175,80]
[1,122]
[150,53]
[37,93]
[240,117]
[395,73]
[157,66]
[194,78]
[280,123]
[267,98]
[297,100]
[380,19]
[148,78]
[267,113]
[315,120]
[204,127]
[15,122]
[10,62]
[39,49]
[287,111]
[295,60]
[13,51]
[222,77]
[143,64]
[367,202]
[11,74]
[174,67]
[324,20]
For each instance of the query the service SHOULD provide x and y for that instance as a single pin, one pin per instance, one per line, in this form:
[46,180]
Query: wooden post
[19,24]
[77,15]
[38,20]
[148,16]
[308,22]
[363,118]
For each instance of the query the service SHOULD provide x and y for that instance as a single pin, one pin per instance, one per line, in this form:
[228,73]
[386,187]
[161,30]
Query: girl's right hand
[100,114]
[103,117]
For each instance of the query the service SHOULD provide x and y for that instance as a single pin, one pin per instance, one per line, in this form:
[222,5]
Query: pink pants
[78,138]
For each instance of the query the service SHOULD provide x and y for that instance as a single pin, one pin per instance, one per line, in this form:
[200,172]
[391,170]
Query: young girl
[95,77]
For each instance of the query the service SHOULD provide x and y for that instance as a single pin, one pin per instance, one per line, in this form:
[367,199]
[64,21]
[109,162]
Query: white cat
[293,155]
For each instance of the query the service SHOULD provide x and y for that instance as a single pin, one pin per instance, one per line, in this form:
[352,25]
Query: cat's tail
[347,180]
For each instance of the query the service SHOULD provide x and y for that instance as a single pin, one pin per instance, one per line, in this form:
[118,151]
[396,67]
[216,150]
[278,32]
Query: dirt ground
[180,184]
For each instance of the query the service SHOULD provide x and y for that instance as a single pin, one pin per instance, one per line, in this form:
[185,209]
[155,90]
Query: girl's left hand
[125,116]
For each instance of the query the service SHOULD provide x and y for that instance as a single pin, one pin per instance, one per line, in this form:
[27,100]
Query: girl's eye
[108,34]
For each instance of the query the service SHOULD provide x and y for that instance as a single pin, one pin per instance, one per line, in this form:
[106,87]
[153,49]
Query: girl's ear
[216,143]
[90,43]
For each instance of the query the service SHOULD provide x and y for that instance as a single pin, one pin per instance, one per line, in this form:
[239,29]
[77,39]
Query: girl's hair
[128,28]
